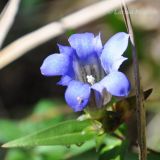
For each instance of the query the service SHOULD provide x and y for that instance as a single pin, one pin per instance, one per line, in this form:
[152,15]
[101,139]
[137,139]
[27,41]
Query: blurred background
[29,101]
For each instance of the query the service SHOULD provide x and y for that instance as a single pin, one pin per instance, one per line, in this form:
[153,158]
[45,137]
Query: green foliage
[44,115]
[9,130]
[60,136]
[16,154]
[66,133]
[87,146]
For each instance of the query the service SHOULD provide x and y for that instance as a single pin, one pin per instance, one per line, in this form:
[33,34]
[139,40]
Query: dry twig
[141,117]
[19,47]
[7,18]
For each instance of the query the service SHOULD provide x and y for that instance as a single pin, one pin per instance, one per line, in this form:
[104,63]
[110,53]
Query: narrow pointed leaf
[66,133]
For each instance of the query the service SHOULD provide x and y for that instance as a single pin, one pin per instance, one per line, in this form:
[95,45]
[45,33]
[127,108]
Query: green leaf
[154,156]
[9,130]
[15,154]
[46,113]
[110,154]
[88,155]
[66,133]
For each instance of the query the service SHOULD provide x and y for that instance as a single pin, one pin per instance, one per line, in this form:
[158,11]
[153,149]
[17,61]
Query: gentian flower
[89,68]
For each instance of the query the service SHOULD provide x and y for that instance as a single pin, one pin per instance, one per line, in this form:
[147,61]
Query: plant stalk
[140,109]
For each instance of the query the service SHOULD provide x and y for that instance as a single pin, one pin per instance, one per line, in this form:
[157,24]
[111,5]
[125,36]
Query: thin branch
[141,114]
[19,47]
[7,18]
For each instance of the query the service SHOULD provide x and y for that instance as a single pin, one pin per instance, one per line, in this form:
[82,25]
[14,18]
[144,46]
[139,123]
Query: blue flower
[89,67]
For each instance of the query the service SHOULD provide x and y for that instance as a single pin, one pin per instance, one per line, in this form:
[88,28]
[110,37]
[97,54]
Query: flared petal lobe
[83,44]
[111,57]
[66,50]
[65,80]
[98,44]
[115,66]
[77,95]
[55,65]
[70,52]
[116,83]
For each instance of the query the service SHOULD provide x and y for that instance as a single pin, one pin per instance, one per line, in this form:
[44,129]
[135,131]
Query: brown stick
[140,110]
[7,18]
[31,40]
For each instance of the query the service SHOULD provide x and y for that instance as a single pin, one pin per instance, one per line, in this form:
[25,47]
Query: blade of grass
[140,110]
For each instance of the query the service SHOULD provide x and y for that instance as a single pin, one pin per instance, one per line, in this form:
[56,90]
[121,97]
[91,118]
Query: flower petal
[66,50]
[77,95]
[113,50]
[69,51]
[98,87]
[116,83]
[105,96]
[55,65]
[65,80]
[83,44]
[117,44]
[117,63]
[98,99]
[98,44]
